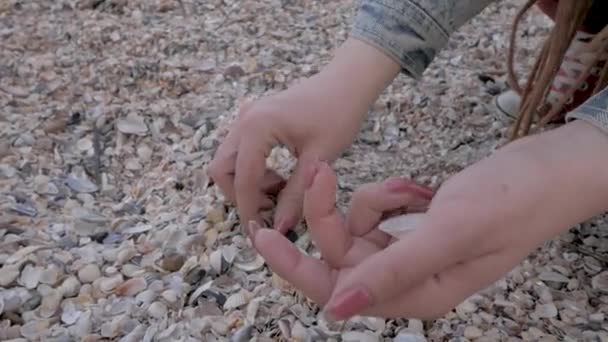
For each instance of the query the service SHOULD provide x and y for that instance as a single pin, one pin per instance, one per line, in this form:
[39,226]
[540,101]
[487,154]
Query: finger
[397,268]
[256,144]
[309,275]
[371,201]
[273,183]
[439,294]
[221,168]
[291,198]
[327,226]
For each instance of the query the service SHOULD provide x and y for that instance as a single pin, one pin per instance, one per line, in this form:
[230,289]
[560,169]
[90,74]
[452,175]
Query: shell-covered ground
[111,231]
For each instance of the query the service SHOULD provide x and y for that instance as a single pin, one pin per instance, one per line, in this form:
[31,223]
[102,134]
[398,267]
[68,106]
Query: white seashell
[400,225]
[546,310]
[1,304]
[125,254]
[132,124]
[89,273]
[30,276]
[80,184]
[50,303]
[131,287]
[299,332]
[131,270]
[146,297]
[157,310]
[170,296]
[359,336]
[251,266]
[50,275]
[69,314]
[83,325]
[135,335]
[33,329]
[112,328]
[406,336]
[243,334]
[198,292]
[237,300]
[108,284]
[252,309]
[8,274]
[229,253]
[70,287]
[216,260]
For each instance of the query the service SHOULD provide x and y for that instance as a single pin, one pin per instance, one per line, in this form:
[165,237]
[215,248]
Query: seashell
[546,310]
[398,226]
[131,270]
[8,274]
[83,325]
[131,287]
[243,334]
[600,282]
[33,329]
[252,309]
[146,297]
[299,332]
[125,254]
[229,253]
[89,273]
[237,300]
[135,335]
[70,287]
[1,305]
[30,276]
[359,336]
[553,277]
[20,254]
[132,124]
[50,303]
[157,310]
[170,296]
[198,292]
[173,262]
[108,284]
[406,336]
[216,260]
[50,275]
[80,184]
[138,229]
[251,265]
[10,333]
[69,314]
[111,329]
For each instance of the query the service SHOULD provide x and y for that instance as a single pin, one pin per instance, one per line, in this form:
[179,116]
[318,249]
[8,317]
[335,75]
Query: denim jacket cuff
[593,111]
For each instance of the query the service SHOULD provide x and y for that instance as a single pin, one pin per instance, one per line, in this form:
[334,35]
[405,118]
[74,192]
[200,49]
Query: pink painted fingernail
[348,303]
[252,229]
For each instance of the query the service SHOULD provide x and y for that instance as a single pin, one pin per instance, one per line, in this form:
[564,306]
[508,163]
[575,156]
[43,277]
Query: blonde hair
[569,18]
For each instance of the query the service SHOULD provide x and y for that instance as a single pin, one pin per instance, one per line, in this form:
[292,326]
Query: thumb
[391,272]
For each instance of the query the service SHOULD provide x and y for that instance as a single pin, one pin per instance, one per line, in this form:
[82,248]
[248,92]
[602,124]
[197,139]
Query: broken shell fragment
[400,225]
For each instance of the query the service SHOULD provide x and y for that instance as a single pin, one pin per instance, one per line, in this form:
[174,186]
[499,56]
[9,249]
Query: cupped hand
[480,224]
[317,118]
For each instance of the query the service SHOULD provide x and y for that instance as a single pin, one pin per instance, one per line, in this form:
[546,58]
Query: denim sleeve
[413,31]
[594,111]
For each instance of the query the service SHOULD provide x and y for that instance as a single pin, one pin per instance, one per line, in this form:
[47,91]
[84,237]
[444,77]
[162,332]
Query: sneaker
[574,64]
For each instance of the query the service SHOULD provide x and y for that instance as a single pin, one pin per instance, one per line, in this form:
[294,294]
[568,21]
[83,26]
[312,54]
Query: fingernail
[328,317]
[348,303]
[406,185]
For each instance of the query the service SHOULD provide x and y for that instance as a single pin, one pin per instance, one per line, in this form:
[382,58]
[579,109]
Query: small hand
[480,224]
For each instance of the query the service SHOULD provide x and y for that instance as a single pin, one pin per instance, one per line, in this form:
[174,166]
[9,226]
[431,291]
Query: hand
[480,224]
[315,119]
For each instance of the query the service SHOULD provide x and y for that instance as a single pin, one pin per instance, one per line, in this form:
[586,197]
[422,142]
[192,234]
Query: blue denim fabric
[413,31]
[594,111]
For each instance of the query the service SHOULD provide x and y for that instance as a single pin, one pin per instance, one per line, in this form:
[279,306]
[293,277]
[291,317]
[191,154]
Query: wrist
[357,74]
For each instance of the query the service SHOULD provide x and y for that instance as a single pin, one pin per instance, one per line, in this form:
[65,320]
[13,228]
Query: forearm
[573,164]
